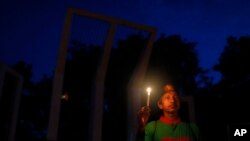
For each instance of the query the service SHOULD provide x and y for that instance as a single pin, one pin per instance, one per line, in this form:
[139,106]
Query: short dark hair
[169,87]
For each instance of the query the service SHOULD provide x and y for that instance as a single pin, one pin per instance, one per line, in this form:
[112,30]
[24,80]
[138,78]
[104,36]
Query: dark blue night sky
[31,30]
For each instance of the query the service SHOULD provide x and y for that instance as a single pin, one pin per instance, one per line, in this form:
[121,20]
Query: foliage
[234,66]
[176,61]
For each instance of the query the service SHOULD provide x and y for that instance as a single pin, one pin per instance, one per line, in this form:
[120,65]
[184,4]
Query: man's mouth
[172,106]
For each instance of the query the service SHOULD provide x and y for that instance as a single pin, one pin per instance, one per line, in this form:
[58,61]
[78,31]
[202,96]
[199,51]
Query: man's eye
[167,97]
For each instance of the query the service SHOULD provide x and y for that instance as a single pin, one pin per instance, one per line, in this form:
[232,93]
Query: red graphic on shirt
[176,139]
[170,121]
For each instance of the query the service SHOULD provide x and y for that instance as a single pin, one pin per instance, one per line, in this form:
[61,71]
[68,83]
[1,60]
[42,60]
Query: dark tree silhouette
[224,103]
[235,70]
[176,60]
[233,64]
[79,75]
[123,61]
[34,105]
[31,124]
[26,71]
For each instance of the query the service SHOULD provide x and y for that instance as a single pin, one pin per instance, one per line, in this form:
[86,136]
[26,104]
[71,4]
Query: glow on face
[170,102]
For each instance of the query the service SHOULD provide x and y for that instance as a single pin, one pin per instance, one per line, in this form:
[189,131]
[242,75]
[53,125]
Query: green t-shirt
[162,131]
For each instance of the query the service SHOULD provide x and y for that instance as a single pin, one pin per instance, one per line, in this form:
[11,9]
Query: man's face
[169,102]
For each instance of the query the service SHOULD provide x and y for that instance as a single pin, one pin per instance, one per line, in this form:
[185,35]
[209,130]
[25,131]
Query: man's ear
[159,103]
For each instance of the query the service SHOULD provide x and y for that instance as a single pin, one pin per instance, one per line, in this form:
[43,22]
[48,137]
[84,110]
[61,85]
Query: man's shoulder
[193,127]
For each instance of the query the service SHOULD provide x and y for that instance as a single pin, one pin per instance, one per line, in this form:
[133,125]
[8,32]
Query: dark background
[203,47]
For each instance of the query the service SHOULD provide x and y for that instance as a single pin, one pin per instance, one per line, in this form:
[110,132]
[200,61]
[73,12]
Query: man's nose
[172,99]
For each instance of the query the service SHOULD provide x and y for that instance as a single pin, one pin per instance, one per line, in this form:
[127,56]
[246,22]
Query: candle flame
[149,90]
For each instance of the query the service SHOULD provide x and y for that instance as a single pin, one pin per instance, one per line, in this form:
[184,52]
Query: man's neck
[171,116]
[171,119]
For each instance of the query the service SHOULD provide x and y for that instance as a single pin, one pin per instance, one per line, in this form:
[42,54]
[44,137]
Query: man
[169,127]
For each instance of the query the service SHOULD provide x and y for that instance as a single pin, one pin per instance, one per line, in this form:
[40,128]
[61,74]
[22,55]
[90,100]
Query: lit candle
[148,90]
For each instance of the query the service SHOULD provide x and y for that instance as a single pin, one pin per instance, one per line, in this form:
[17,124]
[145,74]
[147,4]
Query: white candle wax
[148,99]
